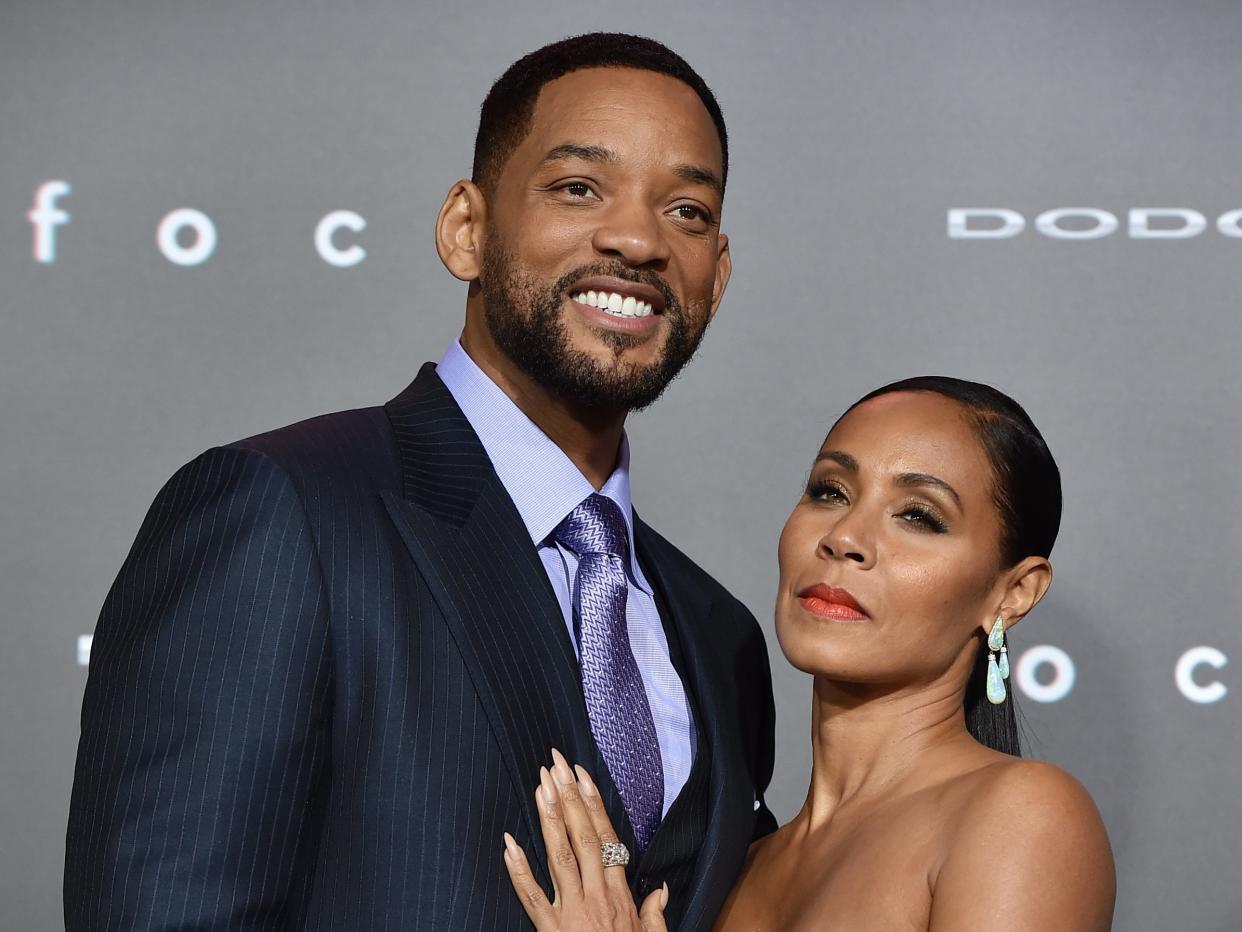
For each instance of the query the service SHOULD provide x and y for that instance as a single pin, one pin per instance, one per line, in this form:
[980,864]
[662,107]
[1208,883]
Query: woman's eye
[824,491]
[922,519]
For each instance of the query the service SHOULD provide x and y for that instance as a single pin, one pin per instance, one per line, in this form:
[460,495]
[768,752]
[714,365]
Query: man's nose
[634,233]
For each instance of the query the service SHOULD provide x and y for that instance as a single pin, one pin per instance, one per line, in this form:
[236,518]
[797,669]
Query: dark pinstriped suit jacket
[326,677]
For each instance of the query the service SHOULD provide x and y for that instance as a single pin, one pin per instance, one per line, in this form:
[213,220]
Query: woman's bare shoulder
[1032,795]
[762,848]
[1035,826]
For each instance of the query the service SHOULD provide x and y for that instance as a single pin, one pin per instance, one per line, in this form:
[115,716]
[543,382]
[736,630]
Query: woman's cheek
[797,544]
[920,588]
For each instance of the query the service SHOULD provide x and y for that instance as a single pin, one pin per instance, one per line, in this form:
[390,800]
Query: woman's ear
[1025,585]
[459,230]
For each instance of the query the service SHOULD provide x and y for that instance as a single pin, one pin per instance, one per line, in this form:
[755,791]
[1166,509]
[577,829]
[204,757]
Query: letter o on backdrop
[1048,223]
[1184,675]
[204,236]
[1062,681]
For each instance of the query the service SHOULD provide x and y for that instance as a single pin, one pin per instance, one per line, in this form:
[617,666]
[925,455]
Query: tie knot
[595,526]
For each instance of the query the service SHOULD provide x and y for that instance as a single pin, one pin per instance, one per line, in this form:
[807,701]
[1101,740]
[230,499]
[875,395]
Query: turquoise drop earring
[997,672]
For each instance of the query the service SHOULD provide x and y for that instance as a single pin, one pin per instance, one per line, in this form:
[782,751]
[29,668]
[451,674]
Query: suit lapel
[730,793]
[464,533]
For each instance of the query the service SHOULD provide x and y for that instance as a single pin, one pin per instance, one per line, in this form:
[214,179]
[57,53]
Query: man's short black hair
[507,110]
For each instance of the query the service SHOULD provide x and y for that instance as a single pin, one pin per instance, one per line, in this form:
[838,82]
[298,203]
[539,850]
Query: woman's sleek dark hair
[1027,493]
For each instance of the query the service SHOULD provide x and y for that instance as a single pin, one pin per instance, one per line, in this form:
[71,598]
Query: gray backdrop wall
[856,130]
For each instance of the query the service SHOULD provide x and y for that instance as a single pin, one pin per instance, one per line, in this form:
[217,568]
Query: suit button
[646,884]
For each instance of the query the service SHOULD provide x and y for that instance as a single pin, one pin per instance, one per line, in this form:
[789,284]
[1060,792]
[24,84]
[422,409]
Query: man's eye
[691,212]
[577,188]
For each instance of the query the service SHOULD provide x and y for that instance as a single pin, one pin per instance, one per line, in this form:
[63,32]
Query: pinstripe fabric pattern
[324,680]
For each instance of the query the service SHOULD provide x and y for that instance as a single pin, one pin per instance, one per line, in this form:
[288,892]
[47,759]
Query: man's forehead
[619,81]
[605,96]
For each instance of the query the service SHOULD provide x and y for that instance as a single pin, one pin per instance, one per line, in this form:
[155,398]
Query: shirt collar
[519,450]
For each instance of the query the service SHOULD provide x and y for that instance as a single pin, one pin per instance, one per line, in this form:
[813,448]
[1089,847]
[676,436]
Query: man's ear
[1025,585]
[724,268]
[459,230]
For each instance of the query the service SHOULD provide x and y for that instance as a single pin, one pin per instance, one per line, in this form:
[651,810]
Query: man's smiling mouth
[619,297]
[611,302]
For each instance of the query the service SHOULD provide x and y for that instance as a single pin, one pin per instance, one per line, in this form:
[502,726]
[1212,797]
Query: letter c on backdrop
[1183,675]
[328,251]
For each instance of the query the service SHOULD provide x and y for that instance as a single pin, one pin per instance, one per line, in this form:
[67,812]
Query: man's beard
[524,319]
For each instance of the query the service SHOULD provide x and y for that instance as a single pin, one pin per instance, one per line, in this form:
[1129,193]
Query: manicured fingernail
[560,768]
[584,780]
[511,847]
[546,783]
[664,896]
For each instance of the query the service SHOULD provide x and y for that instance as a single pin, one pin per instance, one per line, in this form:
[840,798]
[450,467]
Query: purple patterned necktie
[615,699]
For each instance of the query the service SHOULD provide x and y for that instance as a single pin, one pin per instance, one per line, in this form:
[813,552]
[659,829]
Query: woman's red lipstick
[830,602]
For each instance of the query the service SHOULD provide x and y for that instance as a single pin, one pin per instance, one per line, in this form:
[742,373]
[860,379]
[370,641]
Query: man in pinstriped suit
[326,677]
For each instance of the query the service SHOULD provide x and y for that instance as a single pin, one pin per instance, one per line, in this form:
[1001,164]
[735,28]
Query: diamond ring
[614,854]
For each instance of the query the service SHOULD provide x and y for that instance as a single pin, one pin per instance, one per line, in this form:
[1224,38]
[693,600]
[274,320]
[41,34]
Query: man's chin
[613,358]
[608,370]
[588,361]
[604,381]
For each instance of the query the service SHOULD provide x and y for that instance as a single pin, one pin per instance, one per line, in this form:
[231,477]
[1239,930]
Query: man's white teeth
[616,304]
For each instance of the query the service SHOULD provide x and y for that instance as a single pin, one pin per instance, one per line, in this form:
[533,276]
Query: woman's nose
[847,539]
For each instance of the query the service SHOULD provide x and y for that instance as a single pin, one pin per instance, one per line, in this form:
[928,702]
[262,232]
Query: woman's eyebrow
[841,458]
[909,479]
[905,480]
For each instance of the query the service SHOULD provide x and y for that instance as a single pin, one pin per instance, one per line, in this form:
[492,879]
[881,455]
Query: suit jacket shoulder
[346,449]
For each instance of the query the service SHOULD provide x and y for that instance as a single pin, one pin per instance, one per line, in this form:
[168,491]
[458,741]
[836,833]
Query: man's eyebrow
[698,175]
[840,458]
[909,479]
[573,150]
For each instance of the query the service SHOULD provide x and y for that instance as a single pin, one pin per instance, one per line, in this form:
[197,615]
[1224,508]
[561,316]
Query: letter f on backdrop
[46,217]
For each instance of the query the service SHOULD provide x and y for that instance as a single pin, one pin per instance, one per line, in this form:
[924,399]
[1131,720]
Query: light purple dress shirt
[546,486]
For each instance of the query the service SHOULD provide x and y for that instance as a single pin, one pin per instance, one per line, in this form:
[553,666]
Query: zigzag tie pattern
[616,702]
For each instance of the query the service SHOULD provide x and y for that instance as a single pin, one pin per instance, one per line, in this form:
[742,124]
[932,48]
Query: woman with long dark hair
[921,540]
